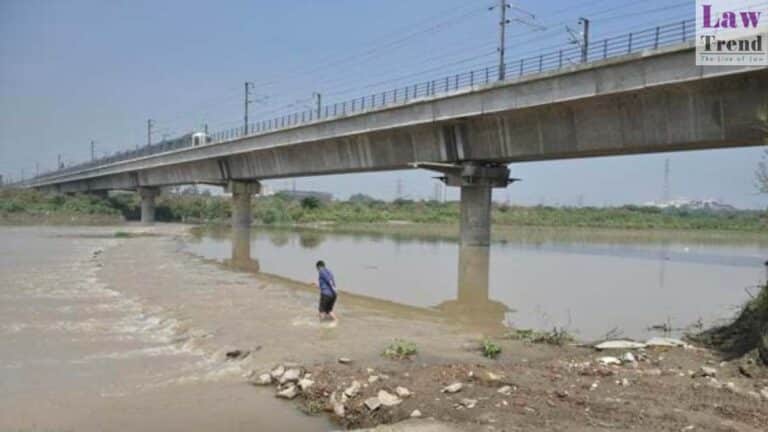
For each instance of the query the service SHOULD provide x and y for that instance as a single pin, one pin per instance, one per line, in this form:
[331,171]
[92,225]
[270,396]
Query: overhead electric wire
[391,44]
[466,12]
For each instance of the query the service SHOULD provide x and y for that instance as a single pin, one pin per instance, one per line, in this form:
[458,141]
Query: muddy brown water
[619,284]
[81,352]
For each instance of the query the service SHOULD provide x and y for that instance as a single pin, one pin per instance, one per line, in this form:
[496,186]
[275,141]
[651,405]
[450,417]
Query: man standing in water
[327,286]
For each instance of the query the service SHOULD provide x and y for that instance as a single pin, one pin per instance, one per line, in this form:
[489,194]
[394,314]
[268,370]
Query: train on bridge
[192,139]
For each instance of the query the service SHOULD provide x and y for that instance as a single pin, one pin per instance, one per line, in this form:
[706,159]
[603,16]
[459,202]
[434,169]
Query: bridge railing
[651,38]
[654,37]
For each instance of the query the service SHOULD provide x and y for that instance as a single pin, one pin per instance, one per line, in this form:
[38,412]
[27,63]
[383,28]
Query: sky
[72,71]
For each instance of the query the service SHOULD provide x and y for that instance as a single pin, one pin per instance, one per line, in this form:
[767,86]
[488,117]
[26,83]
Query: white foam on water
[164,350]
[68,298]
[314,322]
[14,327]
[216,371]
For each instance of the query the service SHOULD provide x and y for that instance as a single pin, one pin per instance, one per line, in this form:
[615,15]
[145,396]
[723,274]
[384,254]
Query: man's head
[320,265]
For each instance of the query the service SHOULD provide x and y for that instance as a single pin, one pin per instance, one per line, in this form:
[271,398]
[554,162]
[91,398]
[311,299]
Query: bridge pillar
[241,202]
[148,195]
[475,215]
[476,181]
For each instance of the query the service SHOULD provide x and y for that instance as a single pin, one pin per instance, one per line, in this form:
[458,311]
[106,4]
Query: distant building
[266,190]
[705,204]
[300,195]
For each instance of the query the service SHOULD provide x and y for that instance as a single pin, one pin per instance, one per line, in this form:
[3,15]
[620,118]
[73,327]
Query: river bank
[163,365]
[191,206]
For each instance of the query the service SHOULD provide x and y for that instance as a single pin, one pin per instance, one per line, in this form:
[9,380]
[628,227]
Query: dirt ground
[552,389]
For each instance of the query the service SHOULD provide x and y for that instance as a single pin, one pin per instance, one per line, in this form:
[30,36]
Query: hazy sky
[72,71]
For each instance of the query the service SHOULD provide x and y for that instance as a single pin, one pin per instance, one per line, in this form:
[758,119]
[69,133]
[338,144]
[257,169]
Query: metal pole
[93,151]
[150,123]
[683,25]
[503,27]
[585,39]
[247,87]
[318,100]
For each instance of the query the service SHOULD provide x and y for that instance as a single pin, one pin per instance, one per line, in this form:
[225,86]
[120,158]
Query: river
[80,350]
[590,283]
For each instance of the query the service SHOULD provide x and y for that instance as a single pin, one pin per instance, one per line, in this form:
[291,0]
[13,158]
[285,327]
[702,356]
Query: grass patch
[490,349]
[558,336]
[312,407]
[400,349]
[123,234]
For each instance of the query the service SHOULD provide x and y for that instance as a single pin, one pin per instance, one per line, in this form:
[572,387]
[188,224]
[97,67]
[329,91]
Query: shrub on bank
[34,202]
[746,335]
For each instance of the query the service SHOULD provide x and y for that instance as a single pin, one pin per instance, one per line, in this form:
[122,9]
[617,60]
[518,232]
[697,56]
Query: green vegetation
[558,336]
[400,349]
[490,349]
[22,205]
[746,335]
[31,207]
[311,407]
[33,202]
[277,210]
[188,205]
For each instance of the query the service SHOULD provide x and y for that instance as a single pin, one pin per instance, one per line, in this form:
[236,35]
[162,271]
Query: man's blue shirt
[326,282]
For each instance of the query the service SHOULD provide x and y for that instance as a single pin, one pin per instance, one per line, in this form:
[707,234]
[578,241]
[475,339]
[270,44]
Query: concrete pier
[148,195]
[476,181]
[475,219]
[241,202]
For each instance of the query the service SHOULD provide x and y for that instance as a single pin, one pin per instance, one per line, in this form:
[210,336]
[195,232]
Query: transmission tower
[665,193]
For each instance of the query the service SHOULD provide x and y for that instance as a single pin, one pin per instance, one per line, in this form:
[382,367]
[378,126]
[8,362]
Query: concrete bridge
[645,102]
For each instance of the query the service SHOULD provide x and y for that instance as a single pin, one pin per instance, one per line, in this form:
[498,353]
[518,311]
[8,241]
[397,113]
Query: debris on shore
[573,387]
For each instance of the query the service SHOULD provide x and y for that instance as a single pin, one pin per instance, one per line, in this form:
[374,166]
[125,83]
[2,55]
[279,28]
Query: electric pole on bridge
[502,37]
[150,124]
[503,22]
[93,150]
[318,101]
[585,39]
[248,87]
[581,39]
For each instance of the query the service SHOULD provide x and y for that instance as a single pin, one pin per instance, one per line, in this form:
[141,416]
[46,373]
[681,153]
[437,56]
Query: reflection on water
[472,304]
[240,258]
[544,281]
